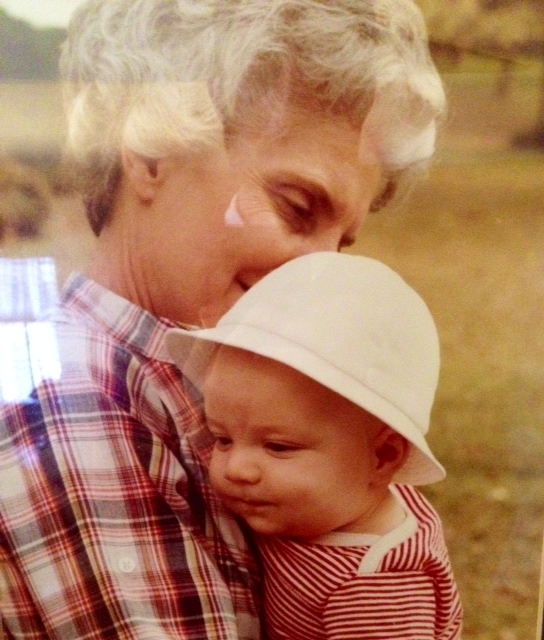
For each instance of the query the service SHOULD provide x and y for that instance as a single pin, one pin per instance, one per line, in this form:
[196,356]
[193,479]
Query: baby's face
[291,457]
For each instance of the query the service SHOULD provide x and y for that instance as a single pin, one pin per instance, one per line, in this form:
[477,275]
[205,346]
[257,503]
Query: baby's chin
[264,518]
[263,527]
[267,528]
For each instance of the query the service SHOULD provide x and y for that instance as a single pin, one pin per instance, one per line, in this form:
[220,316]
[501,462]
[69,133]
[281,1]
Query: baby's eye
[222,442]
[280,447]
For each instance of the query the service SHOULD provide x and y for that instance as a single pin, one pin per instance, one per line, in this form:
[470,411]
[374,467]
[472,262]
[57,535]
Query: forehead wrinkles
[323,147]
[325,154]
[278,109]
[277,87]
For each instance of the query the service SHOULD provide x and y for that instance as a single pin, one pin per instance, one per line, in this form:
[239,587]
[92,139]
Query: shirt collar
[99,308]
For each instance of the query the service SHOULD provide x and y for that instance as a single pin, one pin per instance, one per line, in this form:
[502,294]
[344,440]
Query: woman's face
[217,226]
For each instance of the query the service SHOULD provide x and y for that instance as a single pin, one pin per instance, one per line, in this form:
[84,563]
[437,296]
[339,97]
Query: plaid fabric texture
[108,528]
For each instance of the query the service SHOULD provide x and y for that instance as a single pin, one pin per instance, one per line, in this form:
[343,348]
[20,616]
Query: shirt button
[126,564]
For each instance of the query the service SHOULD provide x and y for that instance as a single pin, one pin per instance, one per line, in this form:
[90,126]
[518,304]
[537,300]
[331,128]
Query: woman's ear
[145,175]
[390,451]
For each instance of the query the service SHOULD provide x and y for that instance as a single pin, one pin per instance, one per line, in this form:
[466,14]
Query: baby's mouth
[246,502]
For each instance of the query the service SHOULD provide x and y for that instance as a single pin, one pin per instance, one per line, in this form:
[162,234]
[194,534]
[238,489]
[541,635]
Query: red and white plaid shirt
[108,528]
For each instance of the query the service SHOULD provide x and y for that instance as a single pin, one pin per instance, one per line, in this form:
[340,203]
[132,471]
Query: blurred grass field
[471,240]
[472,243]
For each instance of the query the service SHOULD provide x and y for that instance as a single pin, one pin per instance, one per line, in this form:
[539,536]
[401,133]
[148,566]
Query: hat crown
[356,314]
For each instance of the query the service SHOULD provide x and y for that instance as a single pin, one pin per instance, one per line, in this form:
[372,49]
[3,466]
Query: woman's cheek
[254,208]
[232,214]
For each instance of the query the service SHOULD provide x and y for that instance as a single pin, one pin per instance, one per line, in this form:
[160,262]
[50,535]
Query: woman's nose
[331,240]
[241,467]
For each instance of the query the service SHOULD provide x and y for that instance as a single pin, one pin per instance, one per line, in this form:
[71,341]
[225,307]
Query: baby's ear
[390,450]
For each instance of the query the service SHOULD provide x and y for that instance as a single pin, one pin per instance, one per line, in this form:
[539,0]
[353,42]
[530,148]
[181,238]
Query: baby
[318,386]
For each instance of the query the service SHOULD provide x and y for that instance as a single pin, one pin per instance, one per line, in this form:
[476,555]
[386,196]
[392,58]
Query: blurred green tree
[507,30]
[27,53]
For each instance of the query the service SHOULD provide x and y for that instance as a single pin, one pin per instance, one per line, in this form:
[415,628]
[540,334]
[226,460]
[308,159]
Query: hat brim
[192,350]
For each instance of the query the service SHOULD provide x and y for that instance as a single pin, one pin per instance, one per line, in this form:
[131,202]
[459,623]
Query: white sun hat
[350,323]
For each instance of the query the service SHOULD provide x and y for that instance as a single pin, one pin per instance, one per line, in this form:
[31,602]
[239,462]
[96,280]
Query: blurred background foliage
[27,53]
[509,32]
[509,28]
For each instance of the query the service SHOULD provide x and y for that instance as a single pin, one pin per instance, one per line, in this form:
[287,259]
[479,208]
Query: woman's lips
[245,287]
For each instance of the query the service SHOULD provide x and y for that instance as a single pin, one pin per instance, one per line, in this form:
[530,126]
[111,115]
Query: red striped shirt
[347,586]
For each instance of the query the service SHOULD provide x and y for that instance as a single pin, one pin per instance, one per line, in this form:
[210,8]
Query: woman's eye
[299,215]
[303,213]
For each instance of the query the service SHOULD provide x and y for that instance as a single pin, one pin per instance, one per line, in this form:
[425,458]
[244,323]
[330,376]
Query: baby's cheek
[214,470]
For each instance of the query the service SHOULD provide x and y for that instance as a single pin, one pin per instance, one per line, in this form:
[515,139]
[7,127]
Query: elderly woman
[215,140]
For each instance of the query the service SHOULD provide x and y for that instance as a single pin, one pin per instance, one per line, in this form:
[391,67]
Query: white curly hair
[163,77]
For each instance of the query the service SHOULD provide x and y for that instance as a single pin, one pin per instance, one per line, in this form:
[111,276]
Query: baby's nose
[241,466]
